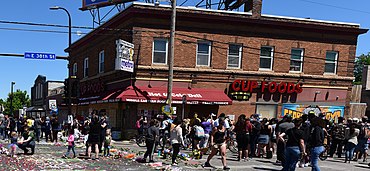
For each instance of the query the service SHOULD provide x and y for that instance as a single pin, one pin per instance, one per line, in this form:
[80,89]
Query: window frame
[101,62]
[335,61]
[86,67]
[74,69]
[301,60]
[239,55]
[209,53]
[272,58]
[153,51]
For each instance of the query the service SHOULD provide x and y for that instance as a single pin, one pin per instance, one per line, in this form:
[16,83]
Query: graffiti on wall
[331,112]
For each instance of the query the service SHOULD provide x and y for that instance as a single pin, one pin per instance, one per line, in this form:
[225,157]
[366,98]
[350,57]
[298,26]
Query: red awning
[159,95]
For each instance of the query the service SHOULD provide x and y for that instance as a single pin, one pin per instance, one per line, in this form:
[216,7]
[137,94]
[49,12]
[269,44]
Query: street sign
[33,55]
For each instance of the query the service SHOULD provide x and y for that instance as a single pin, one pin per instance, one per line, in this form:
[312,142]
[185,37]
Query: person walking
[351,137]
[294,146]
[151,140]
[316,142]
[218,143]
[176,138]
[71,144]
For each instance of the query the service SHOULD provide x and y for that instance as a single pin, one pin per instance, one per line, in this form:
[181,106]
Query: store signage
[91,88]
[153,94]
[33,55]
[124,65]
[272,87]
[296,110]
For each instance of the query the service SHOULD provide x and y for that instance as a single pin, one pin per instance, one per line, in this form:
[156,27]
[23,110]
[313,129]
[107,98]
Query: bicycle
[324,155]
[231,143]
[141,139]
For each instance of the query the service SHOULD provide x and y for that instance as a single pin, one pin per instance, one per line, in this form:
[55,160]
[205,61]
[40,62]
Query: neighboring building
[225,61]
[43,93]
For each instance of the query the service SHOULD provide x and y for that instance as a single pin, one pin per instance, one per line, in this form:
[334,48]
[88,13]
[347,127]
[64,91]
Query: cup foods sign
[272,87]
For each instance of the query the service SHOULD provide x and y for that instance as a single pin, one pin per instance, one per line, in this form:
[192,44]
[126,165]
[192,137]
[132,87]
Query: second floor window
[101,61]
[266,57]
[203,53]
[234,56]
[74,69]
[86,67]
[160,51]
[331,61]
[296,60]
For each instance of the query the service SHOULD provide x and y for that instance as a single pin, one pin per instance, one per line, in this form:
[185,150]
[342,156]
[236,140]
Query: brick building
[293,65]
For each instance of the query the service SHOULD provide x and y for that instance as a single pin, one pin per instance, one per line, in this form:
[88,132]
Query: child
[13,144]
[71,144]
[107,143]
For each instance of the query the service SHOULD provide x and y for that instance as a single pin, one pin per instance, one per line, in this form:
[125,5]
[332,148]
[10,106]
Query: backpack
[199,131]
[137,124]
[363,132]
[339,132]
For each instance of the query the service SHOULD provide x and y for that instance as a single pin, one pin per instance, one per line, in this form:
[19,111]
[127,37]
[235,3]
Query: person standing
[351,137]
[176,138]
[218,143]
[316,142]
[338,137]
[55,126]
[151,139]
[38,124]
[281,129]
[294,146]
[94,138]
[104,127]
[264,137]
[242,130]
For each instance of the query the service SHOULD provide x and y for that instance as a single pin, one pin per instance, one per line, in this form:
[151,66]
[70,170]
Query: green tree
[359,65]
[20,99]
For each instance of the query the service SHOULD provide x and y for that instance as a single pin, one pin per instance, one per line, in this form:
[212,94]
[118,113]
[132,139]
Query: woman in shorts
[218,143]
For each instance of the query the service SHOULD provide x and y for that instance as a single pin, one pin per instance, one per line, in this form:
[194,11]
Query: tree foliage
[20,99]
[359,65]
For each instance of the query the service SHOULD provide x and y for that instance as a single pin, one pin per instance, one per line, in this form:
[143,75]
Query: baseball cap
[212,114]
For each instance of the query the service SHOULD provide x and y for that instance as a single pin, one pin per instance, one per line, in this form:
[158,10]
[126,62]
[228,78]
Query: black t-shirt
[317,137]
[294,136]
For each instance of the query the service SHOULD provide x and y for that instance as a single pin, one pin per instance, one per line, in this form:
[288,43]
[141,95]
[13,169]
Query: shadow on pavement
[266,161]
[269,169]
[362,166]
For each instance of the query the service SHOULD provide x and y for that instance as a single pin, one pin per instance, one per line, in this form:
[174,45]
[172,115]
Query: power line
[135,31]
[334,6]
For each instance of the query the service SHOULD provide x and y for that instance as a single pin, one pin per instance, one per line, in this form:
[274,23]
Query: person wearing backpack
[338,135]
[363,145]
[176,138]
[198,135]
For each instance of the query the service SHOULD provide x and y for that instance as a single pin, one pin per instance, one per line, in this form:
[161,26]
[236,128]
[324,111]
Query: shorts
[217,146]
[362,145]
[263,139]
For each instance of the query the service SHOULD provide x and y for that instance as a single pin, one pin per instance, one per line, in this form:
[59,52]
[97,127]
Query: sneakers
[174,164]
[226,168]
[206,164]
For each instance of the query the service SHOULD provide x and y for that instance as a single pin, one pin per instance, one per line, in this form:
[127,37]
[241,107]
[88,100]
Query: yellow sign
[167,110]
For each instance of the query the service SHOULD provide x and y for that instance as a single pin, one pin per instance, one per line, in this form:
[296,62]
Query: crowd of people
[24,132]
[296,142]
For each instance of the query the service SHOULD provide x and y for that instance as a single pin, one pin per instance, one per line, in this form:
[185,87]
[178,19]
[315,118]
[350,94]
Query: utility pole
[11,98]
[172,54]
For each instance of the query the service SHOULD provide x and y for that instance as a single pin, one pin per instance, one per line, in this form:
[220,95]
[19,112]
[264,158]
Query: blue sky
[24,71]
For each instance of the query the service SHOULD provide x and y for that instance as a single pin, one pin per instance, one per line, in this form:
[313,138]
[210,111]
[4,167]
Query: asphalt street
[49,157]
